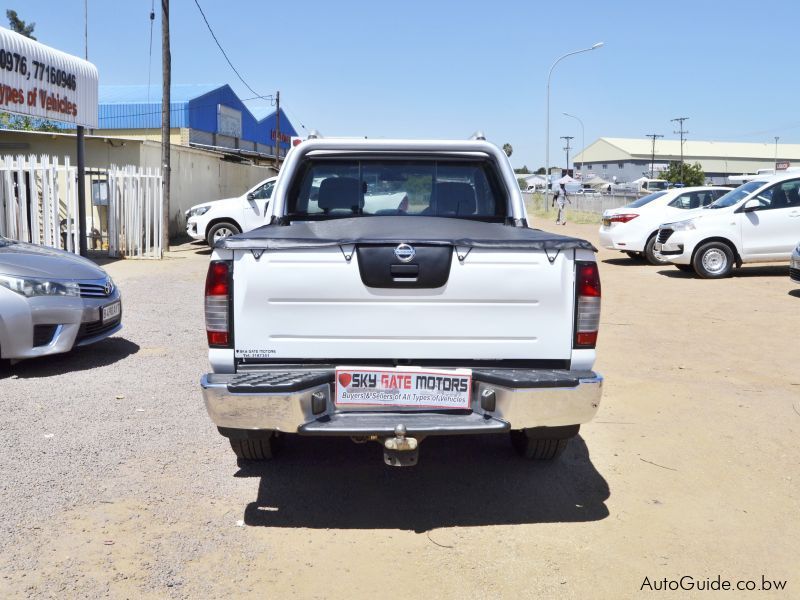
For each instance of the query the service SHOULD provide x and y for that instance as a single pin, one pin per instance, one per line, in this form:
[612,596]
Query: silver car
[51,301]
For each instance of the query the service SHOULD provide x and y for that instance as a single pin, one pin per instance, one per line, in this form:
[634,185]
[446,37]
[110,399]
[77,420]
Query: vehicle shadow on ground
[795,293]
[195,247]
[625,262]
[460,481]
[747,271]
[99,354]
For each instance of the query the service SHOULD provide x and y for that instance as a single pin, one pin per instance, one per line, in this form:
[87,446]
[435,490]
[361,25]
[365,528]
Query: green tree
[540,171]
[508,149]
[9,121]
[18,25]
[689,175]
[522,183]
[522,170]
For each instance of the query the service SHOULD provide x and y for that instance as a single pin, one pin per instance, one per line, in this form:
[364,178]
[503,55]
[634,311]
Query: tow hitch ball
[400,451]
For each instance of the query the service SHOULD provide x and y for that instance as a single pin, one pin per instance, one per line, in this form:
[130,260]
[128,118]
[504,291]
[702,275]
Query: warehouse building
[210,117]
[627,159]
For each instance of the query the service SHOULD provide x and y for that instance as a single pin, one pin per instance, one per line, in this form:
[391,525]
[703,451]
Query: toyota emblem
[405,253]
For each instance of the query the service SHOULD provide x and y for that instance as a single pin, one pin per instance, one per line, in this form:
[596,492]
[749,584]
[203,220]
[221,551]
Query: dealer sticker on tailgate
[407,387]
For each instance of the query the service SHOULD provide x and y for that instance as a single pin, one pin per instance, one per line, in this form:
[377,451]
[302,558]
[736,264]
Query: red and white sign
[783,165]
[407,387]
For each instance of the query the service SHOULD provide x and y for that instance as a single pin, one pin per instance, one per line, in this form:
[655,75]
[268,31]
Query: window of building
[621,165]
[589,167]
[605,167]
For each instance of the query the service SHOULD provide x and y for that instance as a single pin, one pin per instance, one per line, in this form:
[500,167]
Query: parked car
[404,299]
[632,228]
[794,265]
[756,222]
[211,221]
[52,301]
[587,192]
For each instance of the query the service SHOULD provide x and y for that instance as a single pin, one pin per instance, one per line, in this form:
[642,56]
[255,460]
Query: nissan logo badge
[405,253]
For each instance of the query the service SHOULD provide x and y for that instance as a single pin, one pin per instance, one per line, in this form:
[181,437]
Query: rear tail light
[218,304]
[624,218]
[587,304]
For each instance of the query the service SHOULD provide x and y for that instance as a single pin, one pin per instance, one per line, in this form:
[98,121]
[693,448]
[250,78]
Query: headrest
[340,192]
[455,198]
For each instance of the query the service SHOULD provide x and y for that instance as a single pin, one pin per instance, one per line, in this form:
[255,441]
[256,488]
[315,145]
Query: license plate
[406,387]
[111,311]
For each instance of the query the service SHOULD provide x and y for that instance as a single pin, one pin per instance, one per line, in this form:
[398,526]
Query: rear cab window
[327,188]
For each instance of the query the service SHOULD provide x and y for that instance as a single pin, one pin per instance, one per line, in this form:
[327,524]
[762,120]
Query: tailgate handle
[404,271]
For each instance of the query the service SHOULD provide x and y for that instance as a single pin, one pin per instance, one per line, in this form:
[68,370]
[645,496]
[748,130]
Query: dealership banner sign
[39,81]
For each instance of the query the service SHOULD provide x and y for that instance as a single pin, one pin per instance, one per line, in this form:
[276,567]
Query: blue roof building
[205,116]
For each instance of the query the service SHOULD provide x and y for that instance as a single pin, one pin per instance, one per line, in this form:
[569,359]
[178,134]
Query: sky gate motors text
[434,383]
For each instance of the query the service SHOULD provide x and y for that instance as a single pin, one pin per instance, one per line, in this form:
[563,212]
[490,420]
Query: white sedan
[632,228]
[794,265]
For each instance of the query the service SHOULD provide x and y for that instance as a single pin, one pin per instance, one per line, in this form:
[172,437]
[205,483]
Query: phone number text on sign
[406,387]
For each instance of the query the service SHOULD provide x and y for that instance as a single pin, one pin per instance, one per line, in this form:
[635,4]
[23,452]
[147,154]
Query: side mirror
[751,205]
[251,196]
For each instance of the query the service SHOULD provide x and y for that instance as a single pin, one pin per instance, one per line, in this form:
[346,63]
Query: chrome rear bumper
[305,405]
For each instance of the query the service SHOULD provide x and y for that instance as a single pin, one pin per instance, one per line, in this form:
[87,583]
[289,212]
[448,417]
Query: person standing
[561,200]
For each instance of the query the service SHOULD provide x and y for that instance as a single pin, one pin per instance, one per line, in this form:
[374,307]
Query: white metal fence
[39,204]
[596,204]
[135,209]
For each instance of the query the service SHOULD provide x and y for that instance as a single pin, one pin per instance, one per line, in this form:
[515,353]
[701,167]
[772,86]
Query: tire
[221,230]
[259,449]
[542,443]
[713,260]
[633,255]
[650,253]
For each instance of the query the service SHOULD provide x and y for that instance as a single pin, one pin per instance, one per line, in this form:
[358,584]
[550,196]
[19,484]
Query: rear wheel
[542,443]
[650,253]
[713,260]
[252,445]
[633,255]
[253,449]
[221,230]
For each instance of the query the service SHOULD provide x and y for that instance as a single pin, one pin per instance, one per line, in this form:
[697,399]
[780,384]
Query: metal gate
[39,204]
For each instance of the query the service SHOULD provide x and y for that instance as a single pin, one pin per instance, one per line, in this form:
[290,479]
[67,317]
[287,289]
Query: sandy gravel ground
[115,484]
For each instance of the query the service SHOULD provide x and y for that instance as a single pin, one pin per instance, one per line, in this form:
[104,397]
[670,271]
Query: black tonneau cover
[396,230]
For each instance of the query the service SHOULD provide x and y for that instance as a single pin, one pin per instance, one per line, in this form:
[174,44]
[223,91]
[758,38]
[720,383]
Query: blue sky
[446,68]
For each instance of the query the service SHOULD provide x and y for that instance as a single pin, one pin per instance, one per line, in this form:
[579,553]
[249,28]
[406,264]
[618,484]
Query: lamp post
[583,140]
[547,127]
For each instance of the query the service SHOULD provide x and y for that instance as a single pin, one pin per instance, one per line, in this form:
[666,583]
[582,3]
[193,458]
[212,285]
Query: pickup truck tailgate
[314,304]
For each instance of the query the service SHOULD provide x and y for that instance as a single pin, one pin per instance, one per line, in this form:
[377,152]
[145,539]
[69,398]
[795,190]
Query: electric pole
[166,76]
[776,154]
[682,132]
[567,138]
[654,137]
[277,130]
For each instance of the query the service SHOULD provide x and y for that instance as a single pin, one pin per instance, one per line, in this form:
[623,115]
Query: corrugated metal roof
[141,94]
[694,149]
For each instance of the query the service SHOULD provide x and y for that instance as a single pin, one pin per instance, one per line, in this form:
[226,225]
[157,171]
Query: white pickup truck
[398,293]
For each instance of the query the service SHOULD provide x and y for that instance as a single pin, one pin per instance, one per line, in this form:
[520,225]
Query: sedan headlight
[200,210]
[680,225]
[29,287]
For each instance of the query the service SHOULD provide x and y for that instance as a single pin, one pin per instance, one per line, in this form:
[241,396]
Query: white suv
[757,222]
[212,221]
